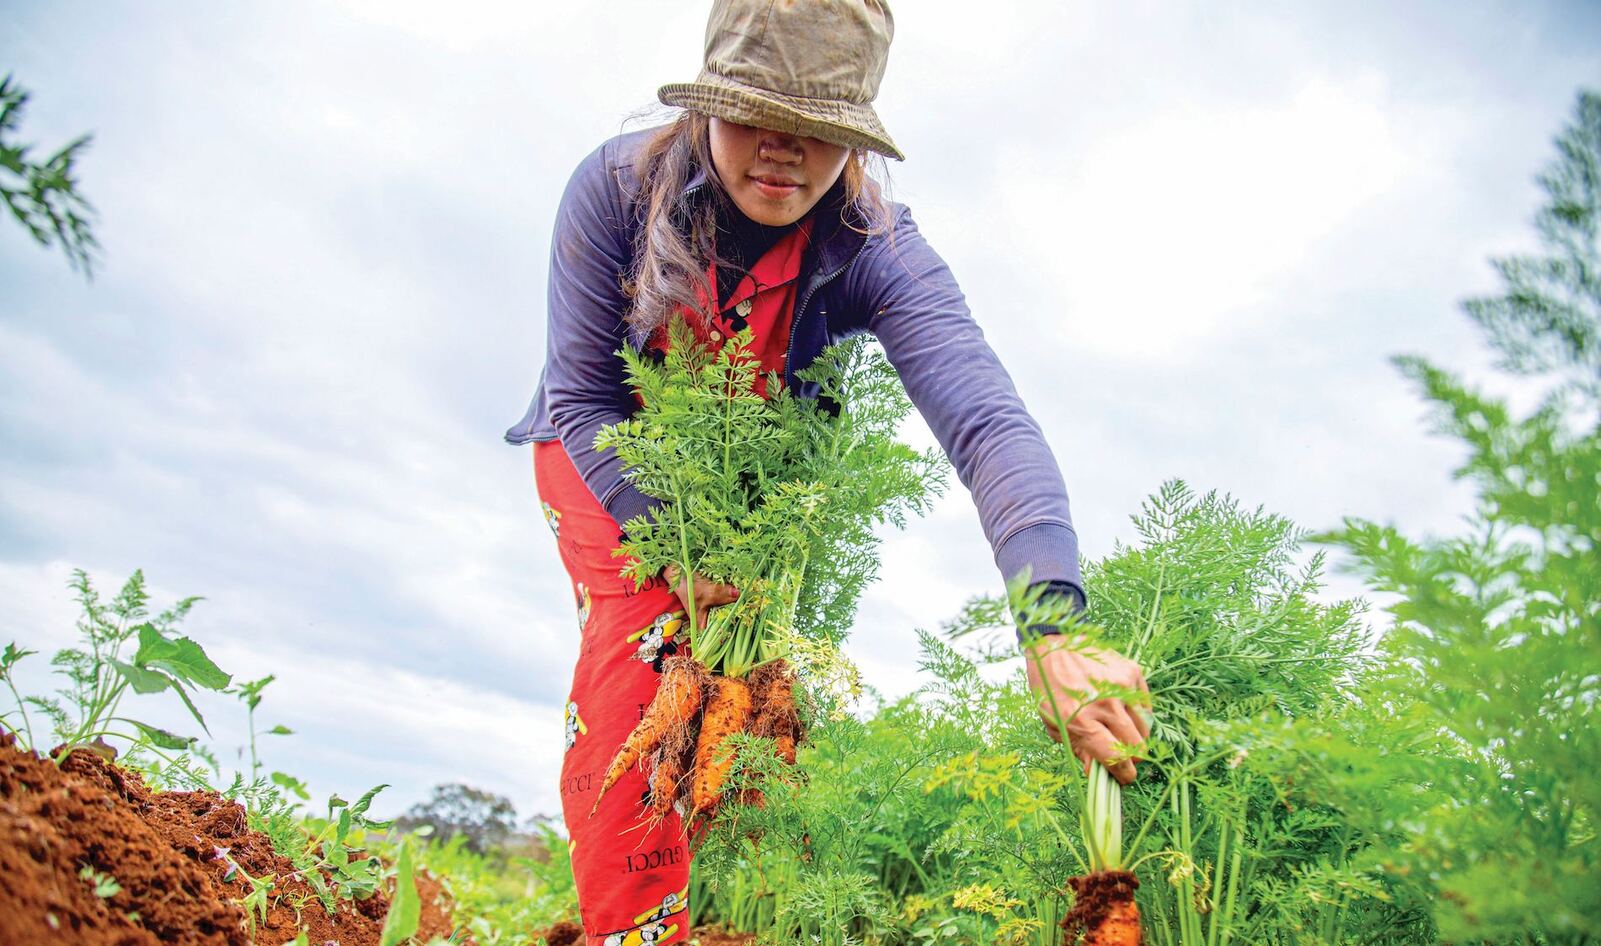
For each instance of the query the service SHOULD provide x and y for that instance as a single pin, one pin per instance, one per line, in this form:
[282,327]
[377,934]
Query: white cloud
[1164,232]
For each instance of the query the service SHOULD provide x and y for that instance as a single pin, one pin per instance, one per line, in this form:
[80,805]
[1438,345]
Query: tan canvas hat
[807,67]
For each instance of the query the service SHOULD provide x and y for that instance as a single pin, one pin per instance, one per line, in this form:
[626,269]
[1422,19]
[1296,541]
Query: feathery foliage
[964,815]
[43,195]
[1548,319]
[1493,667]
[777,496]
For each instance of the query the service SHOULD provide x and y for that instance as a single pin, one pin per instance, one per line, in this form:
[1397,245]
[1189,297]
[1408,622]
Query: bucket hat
[806,67]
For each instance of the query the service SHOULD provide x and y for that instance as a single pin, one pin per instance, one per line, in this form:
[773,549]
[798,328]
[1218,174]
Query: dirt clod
[164,850]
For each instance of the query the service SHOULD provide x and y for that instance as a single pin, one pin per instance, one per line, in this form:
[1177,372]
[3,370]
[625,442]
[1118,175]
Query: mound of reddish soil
[164,850]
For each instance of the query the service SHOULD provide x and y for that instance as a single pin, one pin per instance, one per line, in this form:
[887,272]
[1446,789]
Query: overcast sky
[1194,233]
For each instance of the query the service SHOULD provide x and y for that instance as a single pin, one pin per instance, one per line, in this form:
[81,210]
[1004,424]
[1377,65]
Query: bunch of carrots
[776,495]
[686,728]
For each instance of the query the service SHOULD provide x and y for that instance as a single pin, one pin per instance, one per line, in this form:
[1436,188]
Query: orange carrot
[726,712]
[784,745]
[772,687]
[664,783]
[1104,910]
[676,700]
[1120,927]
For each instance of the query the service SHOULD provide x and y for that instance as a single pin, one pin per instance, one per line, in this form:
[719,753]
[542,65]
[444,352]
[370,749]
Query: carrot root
[674,705]
[776,716]
[1103,910]
[784,745]
[671,767]
[727,711]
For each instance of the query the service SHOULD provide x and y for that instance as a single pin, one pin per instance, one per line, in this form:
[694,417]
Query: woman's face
[774,177]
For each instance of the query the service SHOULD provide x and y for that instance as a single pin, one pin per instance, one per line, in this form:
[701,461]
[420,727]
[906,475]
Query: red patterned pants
[633,881]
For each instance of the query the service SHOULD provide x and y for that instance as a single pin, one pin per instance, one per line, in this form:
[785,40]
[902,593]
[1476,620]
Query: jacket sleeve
[585,387]
[956,381]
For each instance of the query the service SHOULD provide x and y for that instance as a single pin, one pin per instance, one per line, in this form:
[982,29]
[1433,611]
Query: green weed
[98,676]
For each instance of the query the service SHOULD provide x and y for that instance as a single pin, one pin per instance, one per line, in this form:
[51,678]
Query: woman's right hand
[1059,675]
[708,594]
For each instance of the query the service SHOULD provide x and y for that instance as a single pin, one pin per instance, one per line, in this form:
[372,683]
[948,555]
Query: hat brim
[842,123]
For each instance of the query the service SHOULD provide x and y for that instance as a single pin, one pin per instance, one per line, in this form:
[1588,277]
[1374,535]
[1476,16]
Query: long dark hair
[675,243]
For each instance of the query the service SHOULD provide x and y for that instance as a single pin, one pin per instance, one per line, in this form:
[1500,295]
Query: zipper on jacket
[794,325]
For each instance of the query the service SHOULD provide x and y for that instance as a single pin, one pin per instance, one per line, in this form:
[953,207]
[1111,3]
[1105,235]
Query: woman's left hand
[1060,675]
[708,594]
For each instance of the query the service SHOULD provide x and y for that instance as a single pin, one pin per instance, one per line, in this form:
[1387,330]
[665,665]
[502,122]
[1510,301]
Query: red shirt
[764,301]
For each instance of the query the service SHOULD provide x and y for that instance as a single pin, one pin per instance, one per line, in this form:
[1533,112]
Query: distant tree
[43,196]
[486,819]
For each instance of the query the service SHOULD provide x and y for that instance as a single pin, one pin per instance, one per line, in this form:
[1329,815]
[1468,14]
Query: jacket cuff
[1049,549]
[1076,604]
[629,502]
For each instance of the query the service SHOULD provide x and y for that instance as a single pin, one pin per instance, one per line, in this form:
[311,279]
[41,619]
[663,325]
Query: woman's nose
[779,146]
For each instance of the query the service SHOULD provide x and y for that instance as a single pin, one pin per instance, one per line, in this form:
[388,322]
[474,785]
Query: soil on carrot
[564,933]
[64,831]
[1103,910]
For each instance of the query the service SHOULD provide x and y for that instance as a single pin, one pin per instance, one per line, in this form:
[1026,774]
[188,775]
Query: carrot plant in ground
[951,817]
[1475,751]
[1226,625]
[329,853]
[777,496]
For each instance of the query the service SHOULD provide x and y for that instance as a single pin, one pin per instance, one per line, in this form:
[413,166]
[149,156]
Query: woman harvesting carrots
[753,211]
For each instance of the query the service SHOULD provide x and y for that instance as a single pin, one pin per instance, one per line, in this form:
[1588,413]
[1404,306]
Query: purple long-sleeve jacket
[893,285]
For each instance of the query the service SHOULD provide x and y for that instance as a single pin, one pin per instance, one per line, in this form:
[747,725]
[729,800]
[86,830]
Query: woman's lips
[774,188]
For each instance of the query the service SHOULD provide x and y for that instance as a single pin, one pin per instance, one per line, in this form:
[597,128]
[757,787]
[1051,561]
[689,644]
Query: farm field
[1415,766]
